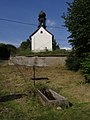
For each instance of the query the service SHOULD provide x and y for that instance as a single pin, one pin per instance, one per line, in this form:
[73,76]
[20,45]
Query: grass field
[18,99]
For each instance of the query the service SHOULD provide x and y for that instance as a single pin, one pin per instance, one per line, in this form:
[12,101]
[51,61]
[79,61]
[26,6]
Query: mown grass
[18,99]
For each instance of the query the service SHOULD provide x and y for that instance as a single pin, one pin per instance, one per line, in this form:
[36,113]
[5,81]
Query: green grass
[27,106]
[34,111]
[27,52]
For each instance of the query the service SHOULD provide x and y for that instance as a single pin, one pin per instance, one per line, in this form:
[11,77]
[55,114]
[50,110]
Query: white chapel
[41,39]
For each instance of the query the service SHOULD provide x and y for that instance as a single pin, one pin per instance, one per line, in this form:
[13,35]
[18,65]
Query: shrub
[86,68]
[12,49]
[4,52]
[73,62]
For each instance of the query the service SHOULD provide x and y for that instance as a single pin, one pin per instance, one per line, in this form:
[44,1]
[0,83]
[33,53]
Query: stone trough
[53,99]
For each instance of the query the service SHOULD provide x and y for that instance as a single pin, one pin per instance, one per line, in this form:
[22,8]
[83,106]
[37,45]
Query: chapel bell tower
[42,19]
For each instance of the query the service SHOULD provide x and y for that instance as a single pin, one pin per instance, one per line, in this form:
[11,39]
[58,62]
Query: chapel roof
[37,30]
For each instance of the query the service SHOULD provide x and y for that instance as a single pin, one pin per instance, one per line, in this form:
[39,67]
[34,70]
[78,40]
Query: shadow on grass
[40,78]
[11,97]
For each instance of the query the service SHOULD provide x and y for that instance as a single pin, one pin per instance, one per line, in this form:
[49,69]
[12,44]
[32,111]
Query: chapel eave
[38,29]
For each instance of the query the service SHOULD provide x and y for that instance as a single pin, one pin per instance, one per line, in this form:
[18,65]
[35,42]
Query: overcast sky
[26,11]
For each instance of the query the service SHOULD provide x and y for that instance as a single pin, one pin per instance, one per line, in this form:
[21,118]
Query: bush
[12,49]
[73,62]
[86,68]
[4,52]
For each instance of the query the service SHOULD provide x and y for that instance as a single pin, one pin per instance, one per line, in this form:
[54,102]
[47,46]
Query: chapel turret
[42,19]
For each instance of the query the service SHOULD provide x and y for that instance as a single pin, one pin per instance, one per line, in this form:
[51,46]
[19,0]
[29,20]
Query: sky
[27,11]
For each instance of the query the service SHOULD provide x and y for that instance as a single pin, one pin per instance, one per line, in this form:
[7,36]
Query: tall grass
[29,107]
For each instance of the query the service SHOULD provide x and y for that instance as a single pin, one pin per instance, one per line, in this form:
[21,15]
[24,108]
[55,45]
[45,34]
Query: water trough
[51,98]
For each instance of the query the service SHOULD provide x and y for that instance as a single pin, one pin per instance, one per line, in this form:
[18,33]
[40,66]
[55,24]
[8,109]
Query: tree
[86,68]
[4,52]
[77,20]
[12,49]
[55,46]
[25,45]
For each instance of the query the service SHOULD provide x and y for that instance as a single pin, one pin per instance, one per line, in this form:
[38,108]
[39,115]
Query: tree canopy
[12,49]
[55,46]
[4,52]
[25,45]
[77,20]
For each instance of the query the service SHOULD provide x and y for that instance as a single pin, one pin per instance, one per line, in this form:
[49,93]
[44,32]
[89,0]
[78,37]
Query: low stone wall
[39,61]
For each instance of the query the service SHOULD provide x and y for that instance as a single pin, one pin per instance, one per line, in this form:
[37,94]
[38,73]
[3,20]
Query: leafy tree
[72,62]
[25,45]
[77,20]
[4,52]
[12,49]
[86,68]
[55,46]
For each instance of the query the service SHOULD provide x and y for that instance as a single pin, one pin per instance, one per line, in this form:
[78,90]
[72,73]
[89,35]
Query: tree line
[7,49]
[27,45]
